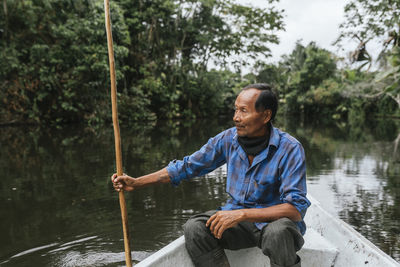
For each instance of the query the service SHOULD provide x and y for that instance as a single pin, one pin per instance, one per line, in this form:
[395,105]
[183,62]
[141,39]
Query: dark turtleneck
[254,145]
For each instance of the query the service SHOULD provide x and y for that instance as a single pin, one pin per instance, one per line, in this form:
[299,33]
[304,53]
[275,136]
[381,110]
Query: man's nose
[236,118]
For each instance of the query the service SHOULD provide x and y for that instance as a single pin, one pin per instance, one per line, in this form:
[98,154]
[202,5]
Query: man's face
[248,121]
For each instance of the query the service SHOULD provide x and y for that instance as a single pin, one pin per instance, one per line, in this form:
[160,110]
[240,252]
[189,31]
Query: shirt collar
[274,137]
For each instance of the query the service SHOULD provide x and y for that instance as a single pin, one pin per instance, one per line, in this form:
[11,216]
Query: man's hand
[127,183]
[123,182]
[223,220]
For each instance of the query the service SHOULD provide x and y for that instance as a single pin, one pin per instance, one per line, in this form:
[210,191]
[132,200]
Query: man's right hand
[127,183]
[123,182]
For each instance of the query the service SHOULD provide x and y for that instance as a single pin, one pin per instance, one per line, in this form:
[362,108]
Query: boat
[329,242]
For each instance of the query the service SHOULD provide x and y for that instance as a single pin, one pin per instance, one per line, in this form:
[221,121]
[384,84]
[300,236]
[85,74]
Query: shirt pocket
[265,180]
[262,190]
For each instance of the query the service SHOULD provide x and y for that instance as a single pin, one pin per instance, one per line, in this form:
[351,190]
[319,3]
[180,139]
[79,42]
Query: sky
[310,20]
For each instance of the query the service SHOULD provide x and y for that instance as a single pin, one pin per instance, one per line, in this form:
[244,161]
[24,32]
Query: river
[58,208]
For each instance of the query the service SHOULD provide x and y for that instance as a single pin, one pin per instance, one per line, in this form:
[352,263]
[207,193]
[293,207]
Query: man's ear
[267,115]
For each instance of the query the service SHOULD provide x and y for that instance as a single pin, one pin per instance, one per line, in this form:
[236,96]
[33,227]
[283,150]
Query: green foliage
[57,65]
[371,93]
[370,19]
[299,76]
[56,58]
[176,40]
[309,66]
[391,77]
[57,62]
[367,20]
[309,83]
[326,100]
[275,75]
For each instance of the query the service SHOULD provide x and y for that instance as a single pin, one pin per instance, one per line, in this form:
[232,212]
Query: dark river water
[57,206]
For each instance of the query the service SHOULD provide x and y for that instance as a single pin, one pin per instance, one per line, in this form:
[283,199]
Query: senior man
[266,182]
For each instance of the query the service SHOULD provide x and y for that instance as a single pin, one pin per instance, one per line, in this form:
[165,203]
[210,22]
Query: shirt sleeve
[203,161]
[293,187]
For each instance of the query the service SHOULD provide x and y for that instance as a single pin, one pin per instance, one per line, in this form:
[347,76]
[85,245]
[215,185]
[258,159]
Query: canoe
[329,241]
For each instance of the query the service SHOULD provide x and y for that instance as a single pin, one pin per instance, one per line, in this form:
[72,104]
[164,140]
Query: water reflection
[358,178]
[58,208]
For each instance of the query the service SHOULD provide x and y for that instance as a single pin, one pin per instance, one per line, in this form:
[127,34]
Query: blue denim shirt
[277,174]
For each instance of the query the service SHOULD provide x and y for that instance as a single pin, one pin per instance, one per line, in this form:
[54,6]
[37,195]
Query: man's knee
[201,245]
[194,227]
[281,233]
[198,237]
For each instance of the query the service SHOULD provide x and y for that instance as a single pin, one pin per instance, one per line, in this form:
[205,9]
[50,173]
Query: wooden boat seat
[316,252]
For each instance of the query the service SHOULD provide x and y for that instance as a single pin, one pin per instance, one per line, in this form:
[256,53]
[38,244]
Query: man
[266,180]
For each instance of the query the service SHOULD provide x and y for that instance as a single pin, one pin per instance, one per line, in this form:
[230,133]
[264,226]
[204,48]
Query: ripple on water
[87,251]
[97,258]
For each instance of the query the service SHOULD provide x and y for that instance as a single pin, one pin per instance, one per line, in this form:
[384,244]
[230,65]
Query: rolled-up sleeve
[293,187]
[203,161]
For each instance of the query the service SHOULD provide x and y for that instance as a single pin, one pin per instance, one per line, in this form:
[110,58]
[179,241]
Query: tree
[54,61]
[306,68]
[391,77]
[57,66]
[175,41]
[367,20]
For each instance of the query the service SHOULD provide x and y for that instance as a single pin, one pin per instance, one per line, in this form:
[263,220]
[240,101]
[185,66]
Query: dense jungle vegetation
[183,59]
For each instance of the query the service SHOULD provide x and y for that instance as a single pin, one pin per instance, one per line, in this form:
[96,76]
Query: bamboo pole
[117,137]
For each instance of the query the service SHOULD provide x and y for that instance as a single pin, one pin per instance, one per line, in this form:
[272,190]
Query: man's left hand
[223,220]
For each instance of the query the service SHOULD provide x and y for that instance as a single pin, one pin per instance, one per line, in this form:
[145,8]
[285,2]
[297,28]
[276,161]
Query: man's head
[255,107]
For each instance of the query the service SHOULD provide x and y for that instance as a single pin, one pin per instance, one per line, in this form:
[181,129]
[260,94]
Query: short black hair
[267,98]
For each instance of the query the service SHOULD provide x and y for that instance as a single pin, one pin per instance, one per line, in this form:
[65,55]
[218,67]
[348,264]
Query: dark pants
[279,240]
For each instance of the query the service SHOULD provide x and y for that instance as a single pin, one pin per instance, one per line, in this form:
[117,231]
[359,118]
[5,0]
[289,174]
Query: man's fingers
[210,220]
[115,177]
[123,182]
[117,182]
[220,231]
[116,187]
[221,221]
[119,179]
[213,224]
[217,229]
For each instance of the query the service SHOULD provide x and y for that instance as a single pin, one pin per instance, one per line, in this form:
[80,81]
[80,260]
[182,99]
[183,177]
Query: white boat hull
[328,242]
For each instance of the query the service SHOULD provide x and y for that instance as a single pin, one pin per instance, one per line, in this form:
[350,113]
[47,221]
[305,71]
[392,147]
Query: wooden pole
[117,137]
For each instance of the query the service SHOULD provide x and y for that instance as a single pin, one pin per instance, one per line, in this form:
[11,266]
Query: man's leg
[280,240]
[206,250]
